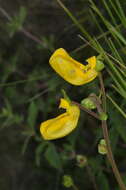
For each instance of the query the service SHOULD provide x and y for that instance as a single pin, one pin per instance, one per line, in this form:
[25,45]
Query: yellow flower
[63,124]
[71,70]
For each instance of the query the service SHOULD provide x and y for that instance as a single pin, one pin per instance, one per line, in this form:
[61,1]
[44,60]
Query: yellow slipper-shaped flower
[71,70]
[63,124]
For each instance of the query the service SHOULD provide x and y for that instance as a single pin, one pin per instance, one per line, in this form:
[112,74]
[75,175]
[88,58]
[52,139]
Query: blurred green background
[30,93]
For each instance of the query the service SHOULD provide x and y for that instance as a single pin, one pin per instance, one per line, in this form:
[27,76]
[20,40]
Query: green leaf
[53,157]
[32,114]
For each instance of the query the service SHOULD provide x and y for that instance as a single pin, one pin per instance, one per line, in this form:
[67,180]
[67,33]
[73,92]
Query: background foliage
[30,92]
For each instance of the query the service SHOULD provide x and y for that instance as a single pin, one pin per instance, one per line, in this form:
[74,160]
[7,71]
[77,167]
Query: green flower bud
[102,148]
[67,181]
[99,66]
[88,103]
[103,116]
[81,161]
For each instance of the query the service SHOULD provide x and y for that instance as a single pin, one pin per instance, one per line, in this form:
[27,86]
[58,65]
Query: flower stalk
[86,110]
[106,137]
[111,157]
[109,151]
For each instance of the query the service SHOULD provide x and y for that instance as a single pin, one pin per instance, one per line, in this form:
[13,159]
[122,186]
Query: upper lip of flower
[71,70]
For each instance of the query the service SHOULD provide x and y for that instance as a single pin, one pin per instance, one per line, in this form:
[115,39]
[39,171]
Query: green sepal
[88,103]
[99,66]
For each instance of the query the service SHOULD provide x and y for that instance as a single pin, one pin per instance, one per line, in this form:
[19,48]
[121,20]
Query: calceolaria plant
[78,74]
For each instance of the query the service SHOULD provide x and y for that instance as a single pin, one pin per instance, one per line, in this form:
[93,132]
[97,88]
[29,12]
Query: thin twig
[20,81]
[106,137]
[22,30]
[31,36]
[86,110]
[97,38]
[111,158]
[109,55]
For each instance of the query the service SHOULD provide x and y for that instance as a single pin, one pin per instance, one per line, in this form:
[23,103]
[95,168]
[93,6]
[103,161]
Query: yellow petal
[92,61]
[60,52]
[64,104]
[71,70]
[60,126]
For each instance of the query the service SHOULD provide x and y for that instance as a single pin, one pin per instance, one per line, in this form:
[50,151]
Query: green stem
[106,137]
[111,158]
[86,110]
[21,81]
[75,21]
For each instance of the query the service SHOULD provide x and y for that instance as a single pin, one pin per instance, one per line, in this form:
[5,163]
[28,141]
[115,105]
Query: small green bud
[67,181]
[99,66]
[102,148]
[103,116]
[88,103]
[81,161]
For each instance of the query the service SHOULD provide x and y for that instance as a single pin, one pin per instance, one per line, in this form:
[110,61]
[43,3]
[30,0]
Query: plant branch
[86,110]
[109,153]
[111,158]
[22,30]
[106,137]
